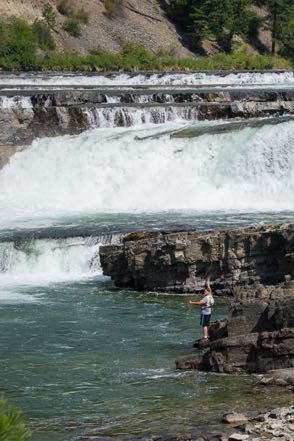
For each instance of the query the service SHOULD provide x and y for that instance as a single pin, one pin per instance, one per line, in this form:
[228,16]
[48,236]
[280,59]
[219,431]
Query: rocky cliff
[258,336]
[249,261]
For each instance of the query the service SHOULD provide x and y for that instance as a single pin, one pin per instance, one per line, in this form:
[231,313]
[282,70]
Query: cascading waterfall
[114,171]
[66,335]
[41,261]
[23,102]
[134,116]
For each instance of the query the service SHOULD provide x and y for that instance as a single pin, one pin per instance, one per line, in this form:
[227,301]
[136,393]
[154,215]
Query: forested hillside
[146,34]
[221,21]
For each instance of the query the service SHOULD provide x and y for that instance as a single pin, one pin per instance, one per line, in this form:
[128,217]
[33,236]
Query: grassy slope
[103,45]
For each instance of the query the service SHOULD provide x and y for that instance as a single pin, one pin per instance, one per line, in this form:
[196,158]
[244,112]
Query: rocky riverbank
[247,262]
[254,264]
[269,426]
[258,336]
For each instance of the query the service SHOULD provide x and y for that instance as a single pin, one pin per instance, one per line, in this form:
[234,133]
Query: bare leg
[205,331]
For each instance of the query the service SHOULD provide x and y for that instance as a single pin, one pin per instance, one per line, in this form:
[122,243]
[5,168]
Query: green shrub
[137,56]
[72,27]
[113,8]
[49,16]
[43,35]
[18,46]
[64,8]
[12,425]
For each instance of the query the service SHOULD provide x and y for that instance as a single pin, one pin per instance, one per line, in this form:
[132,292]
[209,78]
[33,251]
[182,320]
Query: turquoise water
[78,354]
[82,355]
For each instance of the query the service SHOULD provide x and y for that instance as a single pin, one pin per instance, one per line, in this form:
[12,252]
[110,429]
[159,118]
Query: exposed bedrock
[249,261]
[26,115]
[257,337]
[71,97]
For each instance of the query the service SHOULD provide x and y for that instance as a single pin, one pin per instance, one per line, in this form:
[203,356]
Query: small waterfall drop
[22,102]
[134,116]
[42,261]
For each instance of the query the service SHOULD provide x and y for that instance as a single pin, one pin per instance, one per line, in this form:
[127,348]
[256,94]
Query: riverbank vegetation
[21,45]
[12,425]
[27,46]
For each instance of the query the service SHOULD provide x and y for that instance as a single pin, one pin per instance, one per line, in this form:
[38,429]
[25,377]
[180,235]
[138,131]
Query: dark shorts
[205,319]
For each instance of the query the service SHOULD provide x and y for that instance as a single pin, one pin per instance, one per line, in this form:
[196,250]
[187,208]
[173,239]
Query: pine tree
[221,19]
[280,22]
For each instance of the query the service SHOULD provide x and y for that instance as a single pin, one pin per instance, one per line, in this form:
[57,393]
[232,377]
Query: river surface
[77,353]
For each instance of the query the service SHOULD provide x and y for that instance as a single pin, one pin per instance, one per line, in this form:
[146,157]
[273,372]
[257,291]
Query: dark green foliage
[287,39]
[43,35]
[12,425]
[213,18]
[113,8]
[280,21]
[49,16]
[18,46]
[221,20]
[72,26]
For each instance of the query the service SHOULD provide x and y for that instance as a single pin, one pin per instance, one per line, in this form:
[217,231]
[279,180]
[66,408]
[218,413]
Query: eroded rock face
[254,259]
[60,112]
[19,127]
[258,336]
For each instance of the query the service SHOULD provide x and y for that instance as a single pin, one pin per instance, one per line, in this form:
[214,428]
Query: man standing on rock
[206,304]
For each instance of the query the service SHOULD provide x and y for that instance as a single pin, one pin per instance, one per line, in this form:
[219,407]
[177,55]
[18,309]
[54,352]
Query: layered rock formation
[60,112]
[257,337]
[252,259]
[256,265]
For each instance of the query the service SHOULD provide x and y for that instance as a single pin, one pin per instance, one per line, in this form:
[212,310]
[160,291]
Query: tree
[221,19]
[278,21]
[12,425]
[49,16]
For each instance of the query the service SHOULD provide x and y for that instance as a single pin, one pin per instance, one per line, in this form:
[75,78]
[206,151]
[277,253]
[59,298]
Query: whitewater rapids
[167,79]
[103,171]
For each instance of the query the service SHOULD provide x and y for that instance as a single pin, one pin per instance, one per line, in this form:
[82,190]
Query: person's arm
[198,302]
[208,284]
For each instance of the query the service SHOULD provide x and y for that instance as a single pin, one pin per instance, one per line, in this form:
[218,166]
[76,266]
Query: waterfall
[134,116]
[41,261]
[23,102]
[102,171]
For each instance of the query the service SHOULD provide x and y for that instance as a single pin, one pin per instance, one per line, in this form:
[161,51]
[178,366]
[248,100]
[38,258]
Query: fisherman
[206,303]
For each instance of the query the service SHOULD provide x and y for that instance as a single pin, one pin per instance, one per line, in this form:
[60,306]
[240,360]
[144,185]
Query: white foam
[10,297]
[112,171]
[134,116]
[39,262]
[173,79]
[23,102]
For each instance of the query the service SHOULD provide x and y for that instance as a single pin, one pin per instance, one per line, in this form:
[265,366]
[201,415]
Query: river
[77,353]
